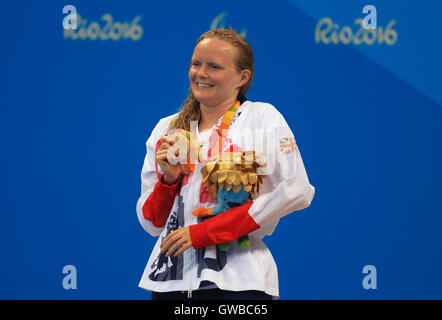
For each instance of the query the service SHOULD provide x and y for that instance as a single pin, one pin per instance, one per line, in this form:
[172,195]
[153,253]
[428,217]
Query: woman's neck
[209,115]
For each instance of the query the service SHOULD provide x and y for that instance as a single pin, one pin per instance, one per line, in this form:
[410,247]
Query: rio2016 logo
[109,30]
[327,32]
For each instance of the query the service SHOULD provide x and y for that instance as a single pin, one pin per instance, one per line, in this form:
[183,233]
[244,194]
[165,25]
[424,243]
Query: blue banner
[361,90]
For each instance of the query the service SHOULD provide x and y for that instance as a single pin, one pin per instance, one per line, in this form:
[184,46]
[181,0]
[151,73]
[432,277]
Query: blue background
[75,115]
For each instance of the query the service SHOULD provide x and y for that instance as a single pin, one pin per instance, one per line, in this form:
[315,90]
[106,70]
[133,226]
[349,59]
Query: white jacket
[256,126]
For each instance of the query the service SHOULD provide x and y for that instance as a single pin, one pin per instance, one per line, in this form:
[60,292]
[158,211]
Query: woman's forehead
[214,49]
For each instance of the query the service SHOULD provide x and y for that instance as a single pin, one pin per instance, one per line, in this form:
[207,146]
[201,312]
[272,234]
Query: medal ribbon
[218,136]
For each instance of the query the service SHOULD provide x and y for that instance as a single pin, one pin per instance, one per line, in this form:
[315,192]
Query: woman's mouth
[204,85]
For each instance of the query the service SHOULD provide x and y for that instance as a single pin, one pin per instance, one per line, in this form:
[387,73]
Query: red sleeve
[157,207]
[224,227]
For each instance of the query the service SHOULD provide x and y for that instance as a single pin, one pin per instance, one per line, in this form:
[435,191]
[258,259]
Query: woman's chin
[203,98]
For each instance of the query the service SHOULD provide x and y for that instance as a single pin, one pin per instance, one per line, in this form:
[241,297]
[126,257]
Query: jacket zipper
[192,252]
[189,293]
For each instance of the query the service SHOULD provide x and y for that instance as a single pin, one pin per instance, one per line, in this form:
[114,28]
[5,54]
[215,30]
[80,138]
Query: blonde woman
[185,262]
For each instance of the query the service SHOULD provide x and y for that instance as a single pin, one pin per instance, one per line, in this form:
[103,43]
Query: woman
[185,259]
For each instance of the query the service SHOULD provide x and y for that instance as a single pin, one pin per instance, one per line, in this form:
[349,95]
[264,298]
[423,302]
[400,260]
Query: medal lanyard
[219,135]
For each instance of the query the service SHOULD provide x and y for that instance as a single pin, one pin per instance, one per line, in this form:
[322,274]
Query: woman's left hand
[177,239]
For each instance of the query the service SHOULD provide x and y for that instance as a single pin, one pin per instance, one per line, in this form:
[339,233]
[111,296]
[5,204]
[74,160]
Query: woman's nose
[202,72]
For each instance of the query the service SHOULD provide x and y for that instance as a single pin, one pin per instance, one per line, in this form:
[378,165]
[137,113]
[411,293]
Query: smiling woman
[214,79]
[187,255]
[223,61]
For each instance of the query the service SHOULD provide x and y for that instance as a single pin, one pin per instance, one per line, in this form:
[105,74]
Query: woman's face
[213,77]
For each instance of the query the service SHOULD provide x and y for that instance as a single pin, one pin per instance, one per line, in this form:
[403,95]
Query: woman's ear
[245,76]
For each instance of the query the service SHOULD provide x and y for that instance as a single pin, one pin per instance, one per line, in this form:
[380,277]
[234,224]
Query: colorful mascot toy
[232,179]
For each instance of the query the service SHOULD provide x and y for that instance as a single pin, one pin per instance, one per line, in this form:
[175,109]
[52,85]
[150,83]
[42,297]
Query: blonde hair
[244,59]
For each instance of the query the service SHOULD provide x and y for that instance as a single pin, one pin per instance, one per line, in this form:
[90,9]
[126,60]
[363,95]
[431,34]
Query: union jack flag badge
[287,145]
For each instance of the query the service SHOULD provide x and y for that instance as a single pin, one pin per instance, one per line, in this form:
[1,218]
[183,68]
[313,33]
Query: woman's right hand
[171,171]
